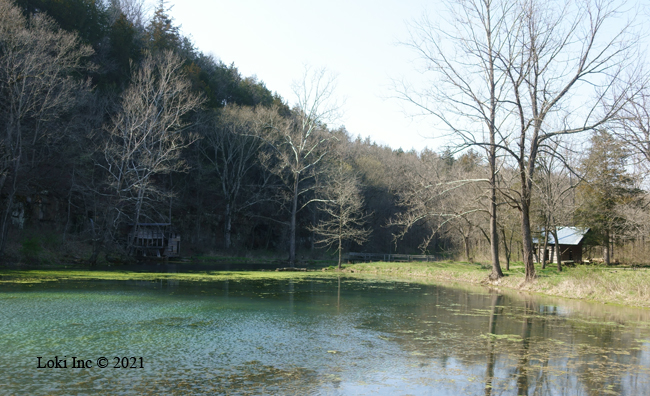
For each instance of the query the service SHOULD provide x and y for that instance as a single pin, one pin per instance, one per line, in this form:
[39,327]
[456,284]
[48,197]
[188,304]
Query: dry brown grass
[622,286]
[594,283]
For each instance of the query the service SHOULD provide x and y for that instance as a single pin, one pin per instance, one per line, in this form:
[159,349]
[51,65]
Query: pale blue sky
[355,39]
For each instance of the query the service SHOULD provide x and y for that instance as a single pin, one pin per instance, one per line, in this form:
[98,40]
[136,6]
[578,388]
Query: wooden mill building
[155,240]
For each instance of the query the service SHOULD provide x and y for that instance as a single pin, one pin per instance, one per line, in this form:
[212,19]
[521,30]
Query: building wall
[568,253]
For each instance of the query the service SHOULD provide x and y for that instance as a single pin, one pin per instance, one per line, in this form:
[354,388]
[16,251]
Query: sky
[356,40]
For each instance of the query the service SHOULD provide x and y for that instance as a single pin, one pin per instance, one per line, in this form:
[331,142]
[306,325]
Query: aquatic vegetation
[303,333]
[601,284]
[36,276]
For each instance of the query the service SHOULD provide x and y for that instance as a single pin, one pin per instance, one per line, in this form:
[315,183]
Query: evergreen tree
[87,18]
[606,185]
[161,32]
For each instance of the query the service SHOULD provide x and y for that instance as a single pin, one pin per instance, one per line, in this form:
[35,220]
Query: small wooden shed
[155,240]
[570,244]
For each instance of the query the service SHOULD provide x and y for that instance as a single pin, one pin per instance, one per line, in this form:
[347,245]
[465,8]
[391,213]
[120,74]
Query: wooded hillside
[113,119]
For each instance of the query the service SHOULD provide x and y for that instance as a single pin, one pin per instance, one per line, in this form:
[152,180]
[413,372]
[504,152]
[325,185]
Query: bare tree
[555,187]
[297,144]
[134,10]
[342,203]
[232,148]
[146,136]
[527,72]
[467,94]
[37,63]
[508,221]
[445,198]
[633,127]
[570,74]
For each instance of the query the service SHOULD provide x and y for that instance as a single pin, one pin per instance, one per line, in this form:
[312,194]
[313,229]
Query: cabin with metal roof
[570,244]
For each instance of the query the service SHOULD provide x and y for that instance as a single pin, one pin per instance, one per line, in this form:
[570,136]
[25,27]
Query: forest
[112,118]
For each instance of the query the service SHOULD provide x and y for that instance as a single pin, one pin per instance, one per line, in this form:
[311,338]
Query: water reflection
[491,354]
[522,363]
[319,336]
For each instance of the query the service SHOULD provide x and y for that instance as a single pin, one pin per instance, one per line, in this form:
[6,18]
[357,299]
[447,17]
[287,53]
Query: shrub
[30,248]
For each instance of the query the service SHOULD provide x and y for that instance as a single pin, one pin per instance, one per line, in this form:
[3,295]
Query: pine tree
[163,35]
[606,185]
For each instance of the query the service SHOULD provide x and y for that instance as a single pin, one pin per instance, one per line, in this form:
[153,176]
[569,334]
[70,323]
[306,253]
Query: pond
[314,336]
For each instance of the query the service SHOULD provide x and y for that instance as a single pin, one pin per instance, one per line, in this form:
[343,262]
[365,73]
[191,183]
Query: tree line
[114,120]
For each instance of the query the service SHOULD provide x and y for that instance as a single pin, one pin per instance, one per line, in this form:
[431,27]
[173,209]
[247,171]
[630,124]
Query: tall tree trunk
[494,241]
[10,202]
[136,221]
[606,257]
[197,228]
[5,221]
[292,231]
[69,208]
[312,247]
[543,255]
[506,249]
[557,249]
[340,250]
[227,226]
[494,235]
[96,243]
[527,241]
[552,255]
[494,231]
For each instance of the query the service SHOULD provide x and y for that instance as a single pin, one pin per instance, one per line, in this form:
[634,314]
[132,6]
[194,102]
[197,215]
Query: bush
[30,248]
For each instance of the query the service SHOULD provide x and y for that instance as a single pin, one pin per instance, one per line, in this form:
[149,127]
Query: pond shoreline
[609,285]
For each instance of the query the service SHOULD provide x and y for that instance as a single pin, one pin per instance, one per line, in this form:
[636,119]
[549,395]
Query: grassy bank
[614,285]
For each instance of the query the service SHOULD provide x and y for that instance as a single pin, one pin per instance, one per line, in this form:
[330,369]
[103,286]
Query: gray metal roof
[567,236]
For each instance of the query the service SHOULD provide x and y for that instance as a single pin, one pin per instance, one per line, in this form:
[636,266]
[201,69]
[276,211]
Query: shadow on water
[332,335]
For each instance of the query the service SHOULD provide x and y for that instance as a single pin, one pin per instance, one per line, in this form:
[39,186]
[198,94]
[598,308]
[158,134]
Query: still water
[315,336]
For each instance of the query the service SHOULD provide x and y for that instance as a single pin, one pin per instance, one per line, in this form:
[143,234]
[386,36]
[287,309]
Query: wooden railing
[367,257]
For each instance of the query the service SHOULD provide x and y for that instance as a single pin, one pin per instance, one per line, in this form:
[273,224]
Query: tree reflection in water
[335,335]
